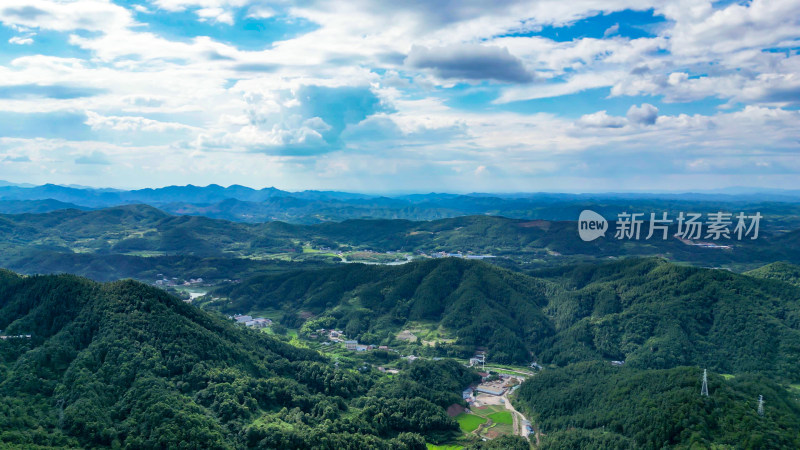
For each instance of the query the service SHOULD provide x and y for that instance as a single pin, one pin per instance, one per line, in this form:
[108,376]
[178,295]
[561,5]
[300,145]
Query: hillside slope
[782,271]
[659,315]
[479,304]
[142,230]
[652,313]
[123,364]
[595,405]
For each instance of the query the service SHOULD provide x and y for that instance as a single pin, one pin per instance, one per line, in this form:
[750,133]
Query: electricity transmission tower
[704,389]
[760,405]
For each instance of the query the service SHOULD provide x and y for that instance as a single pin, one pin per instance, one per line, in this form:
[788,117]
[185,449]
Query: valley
[399,225]
[371,332]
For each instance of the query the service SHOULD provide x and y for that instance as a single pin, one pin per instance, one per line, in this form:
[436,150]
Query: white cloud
[577,83]
[646,114]
[226,104]
[215,15]
[131,123]
[260,12]
[218,11]
[19,40]
[601,119]
[91,15]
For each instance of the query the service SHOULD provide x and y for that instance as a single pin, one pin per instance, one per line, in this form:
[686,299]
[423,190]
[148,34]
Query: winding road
[519,419]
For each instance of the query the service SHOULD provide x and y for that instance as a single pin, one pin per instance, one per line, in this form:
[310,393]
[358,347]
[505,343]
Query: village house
[242,318]
[490,389]
[250,321]
[350,345]
[262,322]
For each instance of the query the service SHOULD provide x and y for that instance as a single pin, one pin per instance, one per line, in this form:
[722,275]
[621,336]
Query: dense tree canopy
[124,364]
[596,405]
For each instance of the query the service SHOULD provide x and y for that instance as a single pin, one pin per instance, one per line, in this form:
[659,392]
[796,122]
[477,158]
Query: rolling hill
[126,365]
[660,315]
[140,230]
[782,271]
[475,303]
[596,405]
[652,313]
[244,204]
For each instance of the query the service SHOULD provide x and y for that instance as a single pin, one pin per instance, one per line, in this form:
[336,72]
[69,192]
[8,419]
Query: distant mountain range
[244,204]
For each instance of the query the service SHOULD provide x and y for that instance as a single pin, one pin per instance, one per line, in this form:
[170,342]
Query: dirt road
[519,419]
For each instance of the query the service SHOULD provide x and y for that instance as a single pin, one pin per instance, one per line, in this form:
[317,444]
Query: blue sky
[415,96]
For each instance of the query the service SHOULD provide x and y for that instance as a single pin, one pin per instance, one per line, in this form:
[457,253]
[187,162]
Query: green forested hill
[142,230]
[595,405]
[126,365]
[479,304]
[652,313]
[659,315]
[111,267]
[782,271]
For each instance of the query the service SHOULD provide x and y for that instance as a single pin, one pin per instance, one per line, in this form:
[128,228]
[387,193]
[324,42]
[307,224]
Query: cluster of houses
[492,385]
[333,335]
[458,255]
[252,322]
[702,244]
[339,336]
[355,346]
[162,280]
[166,281]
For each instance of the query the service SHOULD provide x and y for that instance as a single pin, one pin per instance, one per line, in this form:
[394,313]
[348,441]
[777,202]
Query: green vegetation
[469,422]
[501,417]
[444,447]
[502,443]
[481,304]
[654,315]
[782,271]
[127,365]
[595,405]
[647,312]
[111,267]
[145,232]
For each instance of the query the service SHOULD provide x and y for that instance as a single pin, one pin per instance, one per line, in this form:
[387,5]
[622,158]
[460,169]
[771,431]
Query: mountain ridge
[123,364]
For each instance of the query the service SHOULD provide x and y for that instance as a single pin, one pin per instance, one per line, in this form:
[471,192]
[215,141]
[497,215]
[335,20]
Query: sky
[402,96]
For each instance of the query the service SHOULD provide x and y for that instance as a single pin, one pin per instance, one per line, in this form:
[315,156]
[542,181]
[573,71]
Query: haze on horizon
[368,96]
